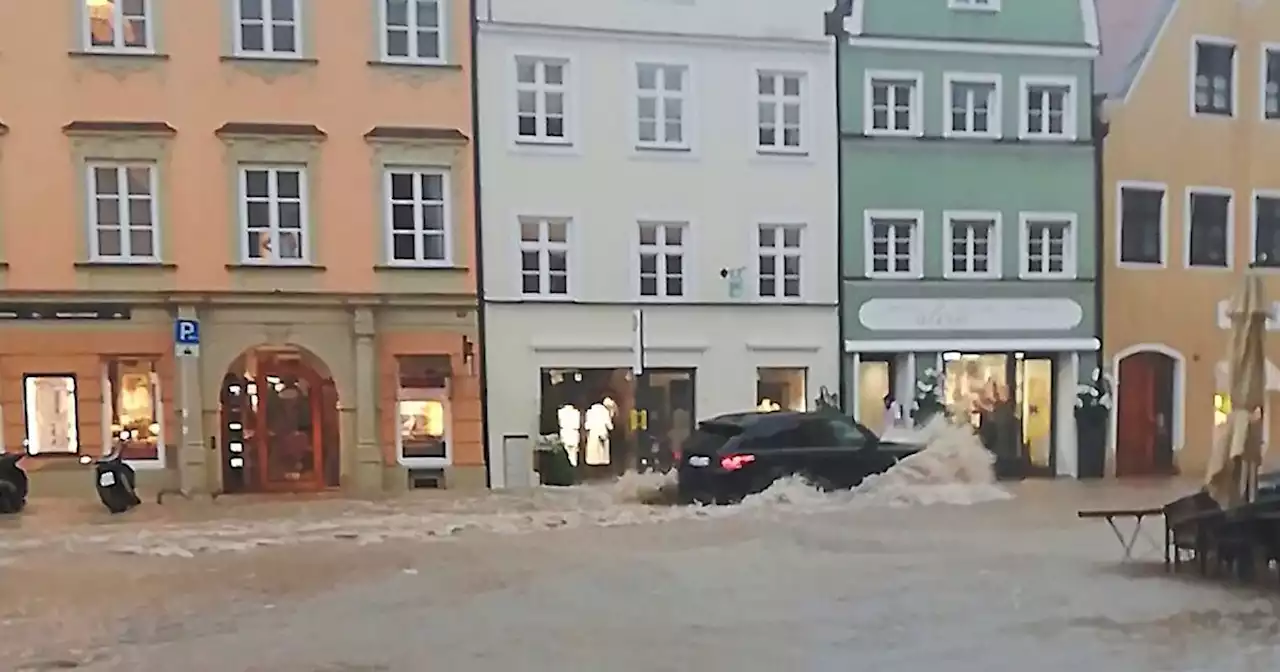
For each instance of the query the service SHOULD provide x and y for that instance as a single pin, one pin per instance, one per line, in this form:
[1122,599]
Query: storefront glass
[1008,399]
[875,386]
[780,389]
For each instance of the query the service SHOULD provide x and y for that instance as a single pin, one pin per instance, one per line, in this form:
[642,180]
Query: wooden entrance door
[1144,415]
[288,439]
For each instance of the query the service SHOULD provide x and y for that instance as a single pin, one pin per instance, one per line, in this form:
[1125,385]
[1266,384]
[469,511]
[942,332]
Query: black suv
[731,456]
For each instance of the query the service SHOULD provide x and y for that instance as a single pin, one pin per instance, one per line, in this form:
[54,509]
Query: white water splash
[953,469]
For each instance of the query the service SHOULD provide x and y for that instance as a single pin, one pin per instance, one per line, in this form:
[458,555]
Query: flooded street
[594,579]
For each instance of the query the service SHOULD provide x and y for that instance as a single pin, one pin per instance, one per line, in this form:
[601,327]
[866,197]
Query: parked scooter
[13,483]
[116,482]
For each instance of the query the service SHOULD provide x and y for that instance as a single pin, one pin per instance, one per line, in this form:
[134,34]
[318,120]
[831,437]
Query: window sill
[1032,137]
[392,268]
[392,64]
[1210,114]
[1046,278]
[1218,268]
[883,133]
[538,143]
[966,135]
[663,149]
[1142,265]
[782,153]
[123,54]
[130,265]
[314,268]
[965,277]
[267,58]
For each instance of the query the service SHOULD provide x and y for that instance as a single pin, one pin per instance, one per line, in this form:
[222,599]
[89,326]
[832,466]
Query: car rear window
[708,438]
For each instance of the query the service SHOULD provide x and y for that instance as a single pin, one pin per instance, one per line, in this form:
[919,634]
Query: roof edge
[1142,59]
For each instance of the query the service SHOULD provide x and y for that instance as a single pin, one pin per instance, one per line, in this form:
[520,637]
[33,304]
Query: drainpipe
[834,27]
[1101,126]
[478,246]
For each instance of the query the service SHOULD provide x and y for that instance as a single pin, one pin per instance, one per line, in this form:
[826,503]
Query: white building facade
[659,211]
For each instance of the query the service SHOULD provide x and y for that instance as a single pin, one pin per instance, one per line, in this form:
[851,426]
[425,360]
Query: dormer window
[975,5]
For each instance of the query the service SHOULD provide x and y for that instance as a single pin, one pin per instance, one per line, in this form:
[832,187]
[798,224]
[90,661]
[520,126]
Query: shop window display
[586,410]
[49,404]
[781,389]
[131,395]
[877,410]
[422,404]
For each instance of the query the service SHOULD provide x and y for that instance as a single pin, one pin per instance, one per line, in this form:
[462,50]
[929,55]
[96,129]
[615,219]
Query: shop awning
[1222,377]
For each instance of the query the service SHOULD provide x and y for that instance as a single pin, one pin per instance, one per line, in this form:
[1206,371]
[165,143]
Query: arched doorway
[279,422]
[1147,412]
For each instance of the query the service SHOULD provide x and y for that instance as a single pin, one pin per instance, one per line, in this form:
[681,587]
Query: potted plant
[551,461]
[928,397]
[1094,400]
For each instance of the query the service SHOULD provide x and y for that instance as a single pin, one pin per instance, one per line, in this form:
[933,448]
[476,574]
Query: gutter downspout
[478,245]
[834,27]
[1101,127]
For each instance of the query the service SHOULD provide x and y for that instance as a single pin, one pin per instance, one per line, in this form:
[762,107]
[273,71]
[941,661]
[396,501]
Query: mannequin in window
[598,423]
[570,419]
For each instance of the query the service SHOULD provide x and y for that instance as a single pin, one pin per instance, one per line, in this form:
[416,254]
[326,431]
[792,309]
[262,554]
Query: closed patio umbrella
[1237,452]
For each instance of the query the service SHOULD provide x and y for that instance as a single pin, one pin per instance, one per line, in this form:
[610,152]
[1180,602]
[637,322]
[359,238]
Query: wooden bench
[1127,541]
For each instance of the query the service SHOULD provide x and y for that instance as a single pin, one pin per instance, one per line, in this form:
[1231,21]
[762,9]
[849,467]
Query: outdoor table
[1127,541]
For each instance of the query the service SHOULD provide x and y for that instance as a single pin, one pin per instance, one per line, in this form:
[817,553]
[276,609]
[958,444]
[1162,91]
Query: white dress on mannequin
[570,420]
[598,423]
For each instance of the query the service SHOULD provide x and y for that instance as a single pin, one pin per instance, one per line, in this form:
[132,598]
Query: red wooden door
[1137,416]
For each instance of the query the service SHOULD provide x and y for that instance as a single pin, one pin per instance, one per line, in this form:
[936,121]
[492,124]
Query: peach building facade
[1191,198]
[297,177]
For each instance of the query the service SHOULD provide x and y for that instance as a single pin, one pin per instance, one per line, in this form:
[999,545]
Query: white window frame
[915,127]
[440,394]
[1235,76]
[994,248]
[1231,226]
[157,399]
[122,212]
[1266,48]
[916,270]
[661,249]
[540,90]
[117,45]
[414,58]
[779,254]
[973,6]
[273,170]
[1253,225]
[778,101]
[1070,105]
[419,204]
[1069,247]
[1119,224]
[543,247]
[268,39]
[661,94]
[995,119]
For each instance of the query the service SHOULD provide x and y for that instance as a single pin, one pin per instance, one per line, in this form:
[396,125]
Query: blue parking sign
[186,332]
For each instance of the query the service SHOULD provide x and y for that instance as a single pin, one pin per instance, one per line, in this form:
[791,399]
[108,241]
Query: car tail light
[736,462]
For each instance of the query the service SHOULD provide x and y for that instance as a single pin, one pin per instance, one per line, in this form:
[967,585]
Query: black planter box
[1091,443]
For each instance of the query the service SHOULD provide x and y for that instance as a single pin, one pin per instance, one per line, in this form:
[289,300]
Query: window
[118,25]
[1048,109]
[1208,228]
[781,389]
[1266,230]
[268,28]
[273,212]
[1048,245]
[1214,86]
[418,217]
[131,408]
[544,256]
[1142,218]
[541,95]
[973,106]
[661,92]
[49,404]
[892,103]
[662,252]
[122,216]
[975,5]
[412,31]
[778,126]
[779,258]
[422,410]
[892,248]
[1271,83]
[972,240]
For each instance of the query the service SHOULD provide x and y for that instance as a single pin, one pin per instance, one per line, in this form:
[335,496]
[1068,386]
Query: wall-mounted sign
[67,311]
[970,314]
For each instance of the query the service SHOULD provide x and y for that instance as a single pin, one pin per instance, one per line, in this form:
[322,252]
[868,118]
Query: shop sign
[971,314]
[71,311]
